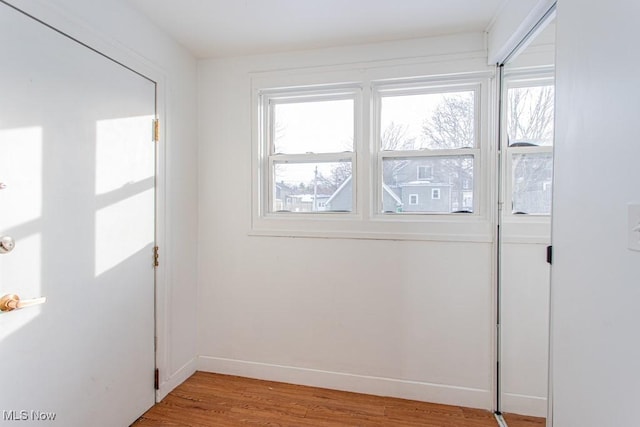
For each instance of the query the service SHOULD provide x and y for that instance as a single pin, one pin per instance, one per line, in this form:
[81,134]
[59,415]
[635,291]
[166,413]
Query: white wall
[121,32]
[402,318]
[595,278]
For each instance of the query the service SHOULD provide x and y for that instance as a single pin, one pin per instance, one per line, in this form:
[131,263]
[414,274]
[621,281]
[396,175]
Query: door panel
[78,161]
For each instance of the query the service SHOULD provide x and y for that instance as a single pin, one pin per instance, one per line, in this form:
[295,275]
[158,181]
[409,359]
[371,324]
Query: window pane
[313,187]
[532,181]
[433,121]
[448,189]
[530,115]
[313,127]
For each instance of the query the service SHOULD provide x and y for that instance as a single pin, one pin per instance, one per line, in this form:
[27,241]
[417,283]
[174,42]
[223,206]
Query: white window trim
[435,193]
[413,197]
[364,222]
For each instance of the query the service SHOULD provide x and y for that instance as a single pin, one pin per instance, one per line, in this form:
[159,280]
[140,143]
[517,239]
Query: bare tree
[393,138]
[530,114]
[529,119]
[452,123]
[338,175]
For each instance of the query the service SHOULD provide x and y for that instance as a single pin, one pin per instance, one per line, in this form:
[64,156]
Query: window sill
[441,228]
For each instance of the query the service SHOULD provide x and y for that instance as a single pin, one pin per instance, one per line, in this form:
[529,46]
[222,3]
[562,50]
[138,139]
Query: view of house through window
[428,146]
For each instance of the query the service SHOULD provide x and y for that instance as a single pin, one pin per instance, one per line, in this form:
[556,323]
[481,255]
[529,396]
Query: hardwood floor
[206,400]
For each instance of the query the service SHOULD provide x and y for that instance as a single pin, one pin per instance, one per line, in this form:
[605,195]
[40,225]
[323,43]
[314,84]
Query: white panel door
[78,162]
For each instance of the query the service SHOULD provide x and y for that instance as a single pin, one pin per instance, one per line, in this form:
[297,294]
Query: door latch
[6,244]
[12,302]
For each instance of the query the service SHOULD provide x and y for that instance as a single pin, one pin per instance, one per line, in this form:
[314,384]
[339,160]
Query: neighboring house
[282,192]
[342,198]
[423,196]
[435,185]
[431,185]
[287,200]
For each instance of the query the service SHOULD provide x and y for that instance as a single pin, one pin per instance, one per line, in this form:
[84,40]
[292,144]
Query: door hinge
[156,130]
[156,379]
[550,254]
[156,256]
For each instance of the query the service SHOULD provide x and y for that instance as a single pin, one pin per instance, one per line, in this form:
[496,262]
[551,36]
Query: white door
[78,163]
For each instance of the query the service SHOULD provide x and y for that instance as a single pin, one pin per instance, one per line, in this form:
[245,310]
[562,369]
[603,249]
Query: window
[388,158]
[433,129]
[425,173]
[310,151]
[530,113]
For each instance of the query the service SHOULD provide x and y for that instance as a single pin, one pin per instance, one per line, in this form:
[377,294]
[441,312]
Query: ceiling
[216,28]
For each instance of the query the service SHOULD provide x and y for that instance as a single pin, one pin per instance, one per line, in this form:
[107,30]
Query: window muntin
[434,131]
[309,138]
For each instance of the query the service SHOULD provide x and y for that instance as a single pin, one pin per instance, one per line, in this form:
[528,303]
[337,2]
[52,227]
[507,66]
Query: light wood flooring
[207,400]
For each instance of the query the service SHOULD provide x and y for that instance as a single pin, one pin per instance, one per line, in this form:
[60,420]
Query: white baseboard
[176,379]
[524,405]
[426,392]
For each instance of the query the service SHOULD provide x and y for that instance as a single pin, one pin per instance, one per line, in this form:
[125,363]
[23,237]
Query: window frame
[522,78]
[364,222]
[428,176]
[437,85]
[269,99]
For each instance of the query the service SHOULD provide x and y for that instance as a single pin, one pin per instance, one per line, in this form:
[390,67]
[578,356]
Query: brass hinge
[156,256]
[156,379]
[156,130]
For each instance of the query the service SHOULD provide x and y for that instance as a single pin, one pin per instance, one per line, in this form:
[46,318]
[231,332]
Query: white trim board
[404,389]
[532,406]
[176,379]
